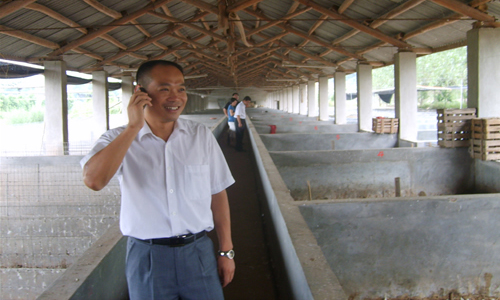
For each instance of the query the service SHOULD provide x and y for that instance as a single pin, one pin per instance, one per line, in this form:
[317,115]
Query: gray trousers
[164,272]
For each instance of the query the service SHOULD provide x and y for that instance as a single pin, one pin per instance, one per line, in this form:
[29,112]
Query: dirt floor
[253,278]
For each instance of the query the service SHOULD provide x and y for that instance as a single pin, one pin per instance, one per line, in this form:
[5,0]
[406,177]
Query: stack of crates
[385,125]
[485,143]
[454,127]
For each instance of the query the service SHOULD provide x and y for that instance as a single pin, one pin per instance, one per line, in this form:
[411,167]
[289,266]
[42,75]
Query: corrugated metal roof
[202,47]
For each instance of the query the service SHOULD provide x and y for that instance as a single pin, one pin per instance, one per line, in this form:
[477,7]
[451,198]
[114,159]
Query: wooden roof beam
[355,24]
[344,6]
[28,37]
[275,22]
[189,25]
[239,5]
[305,36]
[105,29]
[57,16]
[13,6]
[465,9]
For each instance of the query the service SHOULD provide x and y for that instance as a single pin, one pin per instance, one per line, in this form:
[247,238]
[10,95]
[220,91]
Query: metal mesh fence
[48,218]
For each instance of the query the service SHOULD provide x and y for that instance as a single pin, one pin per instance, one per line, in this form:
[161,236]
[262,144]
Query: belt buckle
[180,240]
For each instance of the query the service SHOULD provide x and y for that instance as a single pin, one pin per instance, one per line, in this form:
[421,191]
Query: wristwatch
[229,254]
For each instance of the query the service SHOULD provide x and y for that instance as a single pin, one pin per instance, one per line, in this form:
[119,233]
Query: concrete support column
[405,90]
[127,91]
[483,63]
[364,97]
[283,100]
[312,99]
[289,101]
[303,99]
[295,99]
[323,98]
[340,99]
[100,103]
[56,108]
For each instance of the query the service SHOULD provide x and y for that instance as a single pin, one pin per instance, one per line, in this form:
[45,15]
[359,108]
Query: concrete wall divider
[305,274]
[99,272]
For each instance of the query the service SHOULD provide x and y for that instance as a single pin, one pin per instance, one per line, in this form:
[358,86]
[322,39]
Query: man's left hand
[226,269]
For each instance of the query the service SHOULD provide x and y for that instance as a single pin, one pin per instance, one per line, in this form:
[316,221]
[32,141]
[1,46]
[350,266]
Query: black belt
[176,241]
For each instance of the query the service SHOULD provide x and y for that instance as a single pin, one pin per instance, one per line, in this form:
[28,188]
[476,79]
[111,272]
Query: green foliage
[9,102]
[443,69]
[383,78]
[20,116]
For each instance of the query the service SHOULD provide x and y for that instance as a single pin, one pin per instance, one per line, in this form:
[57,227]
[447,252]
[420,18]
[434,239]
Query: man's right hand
[136,106]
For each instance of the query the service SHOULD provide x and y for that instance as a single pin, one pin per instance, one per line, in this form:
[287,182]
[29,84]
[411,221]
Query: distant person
[236,96]
[231,135]
[173,179]
[241,115]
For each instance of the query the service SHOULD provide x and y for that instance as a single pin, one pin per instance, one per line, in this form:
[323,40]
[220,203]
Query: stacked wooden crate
[454,127]
[485,143]
[385,125]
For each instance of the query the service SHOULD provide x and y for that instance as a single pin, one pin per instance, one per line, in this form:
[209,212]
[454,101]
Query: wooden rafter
[344,6]
[355,24]
[465,9]
[13,6]
[28,37]
[97,33]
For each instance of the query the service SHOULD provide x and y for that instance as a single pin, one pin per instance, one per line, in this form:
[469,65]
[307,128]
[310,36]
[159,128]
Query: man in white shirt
[240,114]
[173,177]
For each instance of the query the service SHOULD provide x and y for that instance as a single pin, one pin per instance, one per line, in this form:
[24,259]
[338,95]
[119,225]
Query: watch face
[229,254]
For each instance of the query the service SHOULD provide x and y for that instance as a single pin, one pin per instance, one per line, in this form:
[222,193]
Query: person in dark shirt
[236,96]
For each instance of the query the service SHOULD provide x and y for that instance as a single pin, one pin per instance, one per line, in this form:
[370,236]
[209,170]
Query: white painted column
[56,108]
[303,99]
[289,93]
[100,103]
[364,82]
[323,98]
[284,100]
[296,99]
[312,99]
[483,65]
[340,98]
[127,91]
[405,91]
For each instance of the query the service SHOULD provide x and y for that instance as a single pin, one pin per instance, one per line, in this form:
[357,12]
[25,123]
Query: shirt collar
[179,125]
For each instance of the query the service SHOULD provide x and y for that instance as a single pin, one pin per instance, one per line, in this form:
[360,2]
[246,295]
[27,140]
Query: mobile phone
[143,90]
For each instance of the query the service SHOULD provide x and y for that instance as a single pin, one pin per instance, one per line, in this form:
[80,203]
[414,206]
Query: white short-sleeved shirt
[167,187]
[240,110]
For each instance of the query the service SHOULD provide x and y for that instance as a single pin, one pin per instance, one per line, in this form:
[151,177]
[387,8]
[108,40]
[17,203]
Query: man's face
[246,102]
[236,96]
[167,92]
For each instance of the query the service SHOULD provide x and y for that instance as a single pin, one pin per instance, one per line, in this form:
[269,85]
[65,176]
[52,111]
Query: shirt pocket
[197,181]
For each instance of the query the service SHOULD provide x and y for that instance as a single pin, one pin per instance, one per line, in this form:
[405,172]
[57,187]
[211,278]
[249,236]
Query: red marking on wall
[315,127]
[381,154]
[300,122]
[338,137]
[291,119]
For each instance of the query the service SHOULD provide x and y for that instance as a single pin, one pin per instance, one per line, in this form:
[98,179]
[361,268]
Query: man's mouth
[173,108]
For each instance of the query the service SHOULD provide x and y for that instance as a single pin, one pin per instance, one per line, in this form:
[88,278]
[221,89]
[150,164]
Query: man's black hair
[145,69]
[247,98]
[235,94]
